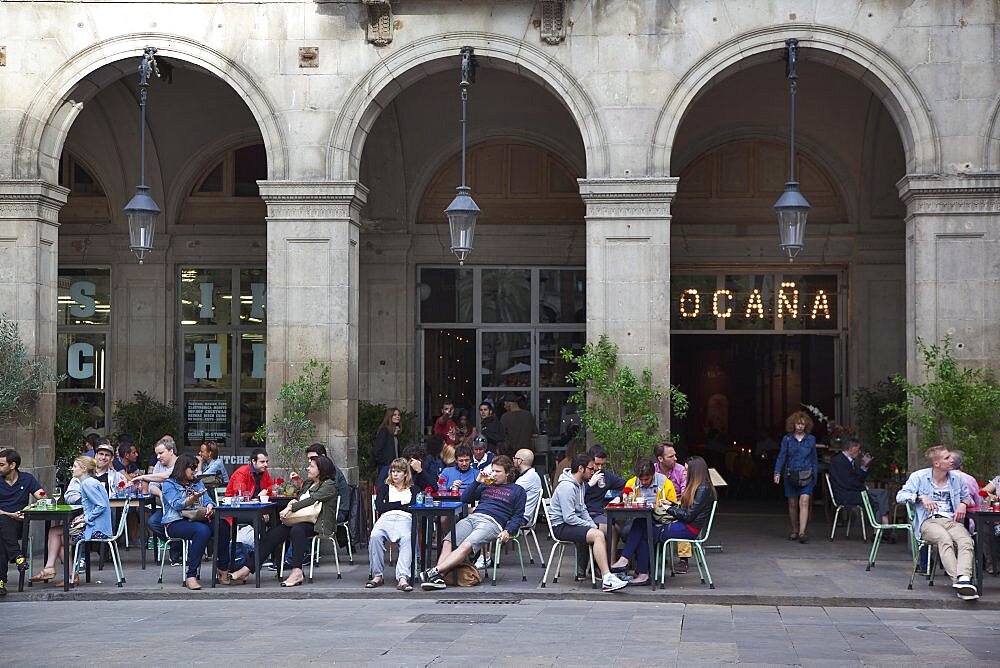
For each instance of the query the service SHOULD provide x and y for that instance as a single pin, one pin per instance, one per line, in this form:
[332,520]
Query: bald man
[524,460]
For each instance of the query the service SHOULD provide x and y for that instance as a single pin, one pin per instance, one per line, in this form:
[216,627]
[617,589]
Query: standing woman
[96,507]
[183,492]
[386,446]
[392,501]
[798,463]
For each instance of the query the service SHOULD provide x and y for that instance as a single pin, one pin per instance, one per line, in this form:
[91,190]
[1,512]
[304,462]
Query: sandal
[403,585]
[803,538]
[371,584]
[793,536]
[43,575]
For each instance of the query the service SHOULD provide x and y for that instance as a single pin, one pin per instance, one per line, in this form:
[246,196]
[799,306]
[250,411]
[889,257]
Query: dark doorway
[740,389]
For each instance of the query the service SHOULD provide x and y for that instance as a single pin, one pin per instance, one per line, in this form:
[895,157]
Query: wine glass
[57,493]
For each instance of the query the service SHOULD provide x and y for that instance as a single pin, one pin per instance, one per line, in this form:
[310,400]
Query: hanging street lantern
[142,210]
[462,212]
[792,208]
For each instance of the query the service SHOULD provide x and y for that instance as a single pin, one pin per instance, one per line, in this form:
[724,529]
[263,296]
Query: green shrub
[147,420]
[23,378]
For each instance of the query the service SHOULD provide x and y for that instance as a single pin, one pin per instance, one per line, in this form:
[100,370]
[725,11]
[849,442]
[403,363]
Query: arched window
[226,193]
[87,202]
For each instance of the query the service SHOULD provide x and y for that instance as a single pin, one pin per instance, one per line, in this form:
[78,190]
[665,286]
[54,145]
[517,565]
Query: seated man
[462,474]
[571,521]
[603,481]
[17,489]
[127,457]
[252,478]
[499,514]
[847,478]
[165,452]
[940,499]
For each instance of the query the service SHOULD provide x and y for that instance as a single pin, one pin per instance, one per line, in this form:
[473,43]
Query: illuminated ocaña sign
[724,303]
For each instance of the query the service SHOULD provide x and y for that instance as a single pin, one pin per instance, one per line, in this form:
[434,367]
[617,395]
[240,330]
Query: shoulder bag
[308,514]
[196,514]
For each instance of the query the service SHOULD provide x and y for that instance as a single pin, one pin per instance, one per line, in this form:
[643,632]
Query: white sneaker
[612,582]
[482,563]
[965,588]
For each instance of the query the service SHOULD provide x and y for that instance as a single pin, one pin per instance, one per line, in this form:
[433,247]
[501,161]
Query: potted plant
[292,428]
[620,409]
[146,420]
[23,377]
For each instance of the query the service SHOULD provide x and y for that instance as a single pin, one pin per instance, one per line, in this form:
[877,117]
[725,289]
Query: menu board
[208,410]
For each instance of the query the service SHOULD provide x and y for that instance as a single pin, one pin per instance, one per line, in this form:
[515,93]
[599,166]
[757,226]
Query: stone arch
[434,54]
[835,48]
[42,132]
[991,148]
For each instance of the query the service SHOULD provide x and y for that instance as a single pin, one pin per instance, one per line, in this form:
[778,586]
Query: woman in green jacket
[322,487]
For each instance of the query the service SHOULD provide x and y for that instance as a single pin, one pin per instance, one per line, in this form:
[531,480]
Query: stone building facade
[626,156]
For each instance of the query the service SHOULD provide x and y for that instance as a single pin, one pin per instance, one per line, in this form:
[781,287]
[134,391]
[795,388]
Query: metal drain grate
[478,601]
[457,619]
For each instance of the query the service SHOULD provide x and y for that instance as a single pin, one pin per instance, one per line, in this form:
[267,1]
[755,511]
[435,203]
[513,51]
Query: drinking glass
[57,493]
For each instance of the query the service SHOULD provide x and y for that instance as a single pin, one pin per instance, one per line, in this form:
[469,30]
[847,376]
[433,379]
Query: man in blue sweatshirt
[500,514]
[572,522]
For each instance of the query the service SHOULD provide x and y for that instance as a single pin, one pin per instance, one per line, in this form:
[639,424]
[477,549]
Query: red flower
[429,489]
[41,493]
[279,481]
[121,483]
[442,481]
[627,490]
[983,493]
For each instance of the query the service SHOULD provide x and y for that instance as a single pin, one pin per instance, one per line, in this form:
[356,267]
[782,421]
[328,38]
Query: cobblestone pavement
[419,632]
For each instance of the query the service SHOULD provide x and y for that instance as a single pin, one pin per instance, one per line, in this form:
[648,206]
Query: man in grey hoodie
[571,521]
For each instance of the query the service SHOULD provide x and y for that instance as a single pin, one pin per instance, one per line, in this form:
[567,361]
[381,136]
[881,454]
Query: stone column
[952,270]
[628,271]
[29,231]
[312,298]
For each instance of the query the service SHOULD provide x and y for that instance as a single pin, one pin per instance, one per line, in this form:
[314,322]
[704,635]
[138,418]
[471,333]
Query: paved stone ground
[420,632]
[757,566]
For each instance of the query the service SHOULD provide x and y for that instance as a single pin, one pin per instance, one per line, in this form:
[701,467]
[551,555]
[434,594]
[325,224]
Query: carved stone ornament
[379,29]
[553,27]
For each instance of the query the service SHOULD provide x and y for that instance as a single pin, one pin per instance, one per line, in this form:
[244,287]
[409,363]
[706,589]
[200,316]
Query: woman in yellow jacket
[654,487]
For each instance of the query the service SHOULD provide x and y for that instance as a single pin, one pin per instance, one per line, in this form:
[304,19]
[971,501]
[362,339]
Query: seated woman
[392,501]
[321,486]
[183,492]
[655,488]
[209,463]
[694,509]
[96,507]
[55,539]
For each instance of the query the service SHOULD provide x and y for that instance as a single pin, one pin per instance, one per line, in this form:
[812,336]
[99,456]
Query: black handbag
[799,477]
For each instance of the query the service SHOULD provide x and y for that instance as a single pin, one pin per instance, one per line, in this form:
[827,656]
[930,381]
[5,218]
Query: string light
[820,303]
[783,303]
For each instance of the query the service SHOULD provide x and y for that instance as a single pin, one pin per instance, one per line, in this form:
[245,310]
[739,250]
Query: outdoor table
[422,516]
[66,515]
[245,513]
[985,521]
[627,512]
[144,503]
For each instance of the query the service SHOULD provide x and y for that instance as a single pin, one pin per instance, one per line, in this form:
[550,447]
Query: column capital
[313,200]
[637,198]
[956,194]
[31,199]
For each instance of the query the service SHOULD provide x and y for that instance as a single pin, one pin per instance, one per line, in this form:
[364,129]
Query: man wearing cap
[481,456]
[105,473]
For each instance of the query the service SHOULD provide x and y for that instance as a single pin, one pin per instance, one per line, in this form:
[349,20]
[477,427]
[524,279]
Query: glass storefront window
[445,295]
[808,302]
[552,369]
[253,297]
[506,359]
[749,302]
[562,295]
[84,296]
[507,295]
[691,302]
[253,357]
[93,404]
[251,416]
[557,415]
[81,358]
[206,361]
[206,297]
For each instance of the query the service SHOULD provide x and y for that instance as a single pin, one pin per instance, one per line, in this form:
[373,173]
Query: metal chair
[530,529]
[878,528]
[185,544]
[917,544]
[841,506]
[314,550]
[561,546]
[697,551]
[497,544]
[112,544]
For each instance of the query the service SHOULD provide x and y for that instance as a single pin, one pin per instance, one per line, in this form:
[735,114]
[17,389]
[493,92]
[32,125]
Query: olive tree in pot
[620,409]
[292,429]
[24,378]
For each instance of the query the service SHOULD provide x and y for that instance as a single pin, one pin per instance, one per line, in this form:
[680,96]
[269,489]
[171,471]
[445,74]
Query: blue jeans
[155,524]
[196,532]
[636,546]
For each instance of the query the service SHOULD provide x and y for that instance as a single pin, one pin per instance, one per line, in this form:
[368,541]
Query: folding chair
[112,544]
[878,527]
[839,507]
[561,546]
[185,544]
[697,551]
[497,544]
[917,544]
[529,531]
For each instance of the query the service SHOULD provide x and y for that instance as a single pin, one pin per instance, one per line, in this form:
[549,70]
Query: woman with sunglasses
[184,494]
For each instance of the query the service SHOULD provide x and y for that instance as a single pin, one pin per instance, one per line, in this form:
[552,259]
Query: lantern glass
[792,210]
[142,213]
[462,214]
